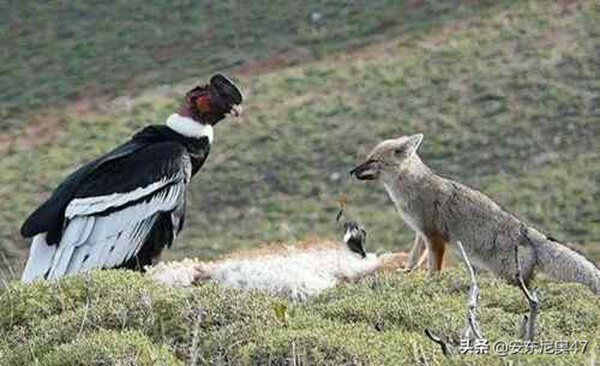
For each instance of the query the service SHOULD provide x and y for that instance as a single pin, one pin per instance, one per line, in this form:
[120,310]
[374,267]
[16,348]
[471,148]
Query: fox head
[388,157]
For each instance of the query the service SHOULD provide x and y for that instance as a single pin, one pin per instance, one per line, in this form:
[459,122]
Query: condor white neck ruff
[189,128]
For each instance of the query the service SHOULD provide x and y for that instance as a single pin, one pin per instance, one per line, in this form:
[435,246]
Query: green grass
[507,101]
[57,52]
[120,318]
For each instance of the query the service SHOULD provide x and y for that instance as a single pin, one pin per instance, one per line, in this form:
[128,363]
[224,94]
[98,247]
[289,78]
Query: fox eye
[399,151]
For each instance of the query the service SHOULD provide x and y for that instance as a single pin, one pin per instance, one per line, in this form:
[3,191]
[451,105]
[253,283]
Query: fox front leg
[436,247]
[417,255]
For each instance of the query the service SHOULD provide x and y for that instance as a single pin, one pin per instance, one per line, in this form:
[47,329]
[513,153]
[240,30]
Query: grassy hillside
[507,98]
[54,52]
[119,318]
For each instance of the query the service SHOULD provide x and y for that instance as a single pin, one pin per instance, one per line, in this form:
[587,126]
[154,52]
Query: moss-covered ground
[121,318]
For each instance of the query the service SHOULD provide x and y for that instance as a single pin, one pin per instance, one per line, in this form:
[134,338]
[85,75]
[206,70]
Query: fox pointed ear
[413,143]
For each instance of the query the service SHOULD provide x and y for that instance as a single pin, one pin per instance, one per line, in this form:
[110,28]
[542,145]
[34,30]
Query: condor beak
[369,170]
[236,110]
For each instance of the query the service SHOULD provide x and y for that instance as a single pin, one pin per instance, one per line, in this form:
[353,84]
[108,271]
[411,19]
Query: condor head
[209,104]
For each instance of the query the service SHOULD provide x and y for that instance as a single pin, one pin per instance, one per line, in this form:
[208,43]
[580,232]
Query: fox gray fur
[443,212]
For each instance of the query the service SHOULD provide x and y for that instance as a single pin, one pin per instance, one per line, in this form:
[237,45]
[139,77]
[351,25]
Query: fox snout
[369,170]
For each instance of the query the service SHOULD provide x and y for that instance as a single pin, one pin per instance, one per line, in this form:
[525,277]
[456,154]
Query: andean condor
[123,208]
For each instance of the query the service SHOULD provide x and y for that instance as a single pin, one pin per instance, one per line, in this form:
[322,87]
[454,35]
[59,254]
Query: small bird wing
[115,208]
[355,237]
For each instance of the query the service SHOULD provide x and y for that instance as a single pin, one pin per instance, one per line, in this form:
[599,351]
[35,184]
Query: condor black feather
[123,208]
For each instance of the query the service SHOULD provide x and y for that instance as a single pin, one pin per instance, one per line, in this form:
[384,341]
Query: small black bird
[123,208]
[355,237]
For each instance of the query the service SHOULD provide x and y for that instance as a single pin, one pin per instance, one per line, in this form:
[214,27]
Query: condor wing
[113,210]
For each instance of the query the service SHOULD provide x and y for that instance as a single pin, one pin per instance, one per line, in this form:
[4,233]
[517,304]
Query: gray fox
[442,211]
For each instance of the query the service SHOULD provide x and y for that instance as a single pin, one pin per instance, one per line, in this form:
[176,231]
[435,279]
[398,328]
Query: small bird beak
[236,110]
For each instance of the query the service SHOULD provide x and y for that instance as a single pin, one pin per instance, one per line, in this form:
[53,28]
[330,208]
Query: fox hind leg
[527,261]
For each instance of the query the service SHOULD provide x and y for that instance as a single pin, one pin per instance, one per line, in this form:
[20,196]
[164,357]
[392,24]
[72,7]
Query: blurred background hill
[507,94]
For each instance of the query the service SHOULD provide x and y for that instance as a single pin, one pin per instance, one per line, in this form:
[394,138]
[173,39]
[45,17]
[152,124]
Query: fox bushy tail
[562,263]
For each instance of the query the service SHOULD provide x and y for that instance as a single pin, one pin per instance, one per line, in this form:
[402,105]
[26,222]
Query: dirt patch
[568,6]
[181,46]
[82,107]
[559,38]
[42,129]
[273,62]
[45,126]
